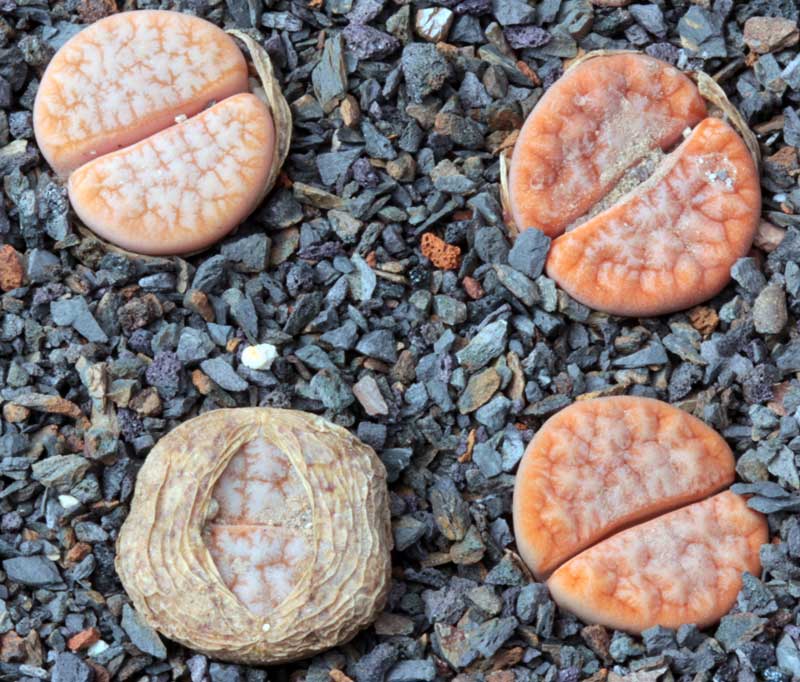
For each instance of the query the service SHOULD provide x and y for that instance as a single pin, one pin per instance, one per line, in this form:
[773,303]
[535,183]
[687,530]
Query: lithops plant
[644,221]
[258,535]
[149,118]
[617,501]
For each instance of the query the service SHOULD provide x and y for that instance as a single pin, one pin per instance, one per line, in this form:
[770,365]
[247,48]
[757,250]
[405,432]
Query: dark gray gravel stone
[491,245]
[652,354]
[425,70]
[225,672]
[70,667]
[373,666]
[657,639]
[737,629]
[248,254]
[414,670]
[74,312]
[520,37]
[142,635]
[222,374]
[529,252]
[36,571]
[331,390]
[650,17]
[60,472]
[513,12]
[330,75]
[367,42]
[379,344]
[194,345]
[42,266]
[484,347]
[210,274]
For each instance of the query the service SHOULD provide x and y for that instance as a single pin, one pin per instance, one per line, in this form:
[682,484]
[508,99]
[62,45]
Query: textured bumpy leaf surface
[601,464]
[128,76]
[683,567]
[596,121]
[640,227]
[148,115]
[615,495]
[258,535]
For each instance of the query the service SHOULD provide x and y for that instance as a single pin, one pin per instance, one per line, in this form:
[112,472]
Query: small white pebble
[67,501]
[97,648]
[180,118]
[265,627]
[259,357]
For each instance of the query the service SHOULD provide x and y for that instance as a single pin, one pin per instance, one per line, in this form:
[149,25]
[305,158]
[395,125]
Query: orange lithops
[148,116]
[602,117]
[600,467]
[670,243]
[639,228]
[602,464]
[683,567]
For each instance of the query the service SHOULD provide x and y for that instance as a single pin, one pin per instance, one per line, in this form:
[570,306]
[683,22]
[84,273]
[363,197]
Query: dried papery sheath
[272,95]
[258,535]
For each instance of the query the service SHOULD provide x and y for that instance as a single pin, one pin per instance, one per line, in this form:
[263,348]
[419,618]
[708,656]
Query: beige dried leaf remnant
[258,535]
[272,95]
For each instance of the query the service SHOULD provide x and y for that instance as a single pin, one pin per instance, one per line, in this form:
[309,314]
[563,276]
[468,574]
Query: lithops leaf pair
[649,199]
[258,535]
[150,118]
[621,503]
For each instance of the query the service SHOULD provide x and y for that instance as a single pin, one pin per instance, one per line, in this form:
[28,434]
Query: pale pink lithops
[258,535]
[648,192]
[174,190]
[128,76]
[148,117]
[616,495]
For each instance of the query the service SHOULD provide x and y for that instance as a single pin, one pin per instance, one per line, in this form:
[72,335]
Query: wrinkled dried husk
[272,95]
[269,91]
[721,107]
[709,90]
[173,581]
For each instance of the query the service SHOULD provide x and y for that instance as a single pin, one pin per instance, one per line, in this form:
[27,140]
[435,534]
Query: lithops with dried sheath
[258,535]
[150,118]
[621,503]
[644,221]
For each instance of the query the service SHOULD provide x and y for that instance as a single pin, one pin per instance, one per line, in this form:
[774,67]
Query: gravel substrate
[446,374]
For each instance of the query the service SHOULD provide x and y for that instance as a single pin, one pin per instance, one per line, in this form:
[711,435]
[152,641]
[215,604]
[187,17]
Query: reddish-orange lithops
[599,119]
[148,116]
[600,467]
[640,228]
